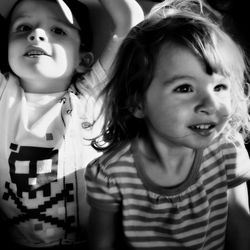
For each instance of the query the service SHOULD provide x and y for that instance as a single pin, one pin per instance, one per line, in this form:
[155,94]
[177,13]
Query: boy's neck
[44,86]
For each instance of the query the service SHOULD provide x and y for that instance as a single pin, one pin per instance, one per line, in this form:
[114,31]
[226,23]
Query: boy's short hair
[80,12]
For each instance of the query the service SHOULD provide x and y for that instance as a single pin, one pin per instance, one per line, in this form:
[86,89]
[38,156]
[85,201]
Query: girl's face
[184,106]
[44,47]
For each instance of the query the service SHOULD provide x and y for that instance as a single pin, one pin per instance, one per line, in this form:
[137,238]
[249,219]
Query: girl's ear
[86,61]
[138,111]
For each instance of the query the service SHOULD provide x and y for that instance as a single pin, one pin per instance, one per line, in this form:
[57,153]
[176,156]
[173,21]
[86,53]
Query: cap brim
[6,5]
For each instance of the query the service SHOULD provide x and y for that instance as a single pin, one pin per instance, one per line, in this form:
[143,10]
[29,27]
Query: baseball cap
[78,9]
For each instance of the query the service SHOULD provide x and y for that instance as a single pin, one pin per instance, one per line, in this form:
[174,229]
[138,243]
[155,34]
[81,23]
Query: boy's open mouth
[36,53]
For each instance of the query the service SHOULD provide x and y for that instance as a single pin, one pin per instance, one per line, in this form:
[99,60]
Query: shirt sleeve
[89,109]
[237,162]
[93,81]
[3,83]
[102,189]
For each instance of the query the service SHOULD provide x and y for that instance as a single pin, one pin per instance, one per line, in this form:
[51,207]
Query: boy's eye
[220,87]
[185,88]
[23,28]
[58,31]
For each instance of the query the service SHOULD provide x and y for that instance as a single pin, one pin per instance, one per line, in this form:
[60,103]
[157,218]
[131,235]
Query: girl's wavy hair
[191,25]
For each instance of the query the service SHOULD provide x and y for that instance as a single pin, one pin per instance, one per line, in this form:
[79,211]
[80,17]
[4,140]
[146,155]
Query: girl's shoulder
[229,153]
[224,144]
[112,161]
[232,156]
[115,155]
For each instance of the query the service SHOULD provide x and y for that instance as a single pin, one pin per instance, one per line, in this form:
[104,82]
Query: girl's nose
[207,104]
[37,35]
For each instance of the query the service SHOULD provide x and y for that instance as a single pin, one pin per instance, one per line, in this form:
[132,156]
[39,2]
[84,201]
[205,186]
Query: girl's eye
[23,28]
[185,88]
[220,87]
[58,31]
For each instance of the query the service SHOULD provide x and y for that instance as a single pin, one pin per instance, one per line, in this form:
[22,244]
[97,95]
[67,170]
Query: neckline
[173,190]
[43,98]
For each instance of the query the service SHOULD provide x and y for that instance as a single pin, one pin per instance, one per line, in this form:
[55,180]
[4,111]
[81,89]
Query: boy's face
[184,106]
[44,47]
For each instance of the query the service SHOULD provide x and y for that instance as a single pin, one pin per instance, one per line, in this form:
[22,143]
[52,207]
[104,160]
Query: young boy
[47,103]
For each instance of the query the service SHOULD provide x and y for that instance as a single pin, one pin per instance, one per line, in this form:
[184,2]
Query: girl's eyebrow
[175,78]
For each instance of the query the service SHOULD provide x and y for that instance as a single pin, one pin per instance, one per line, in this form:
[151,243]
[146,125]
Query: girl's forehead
[175,61]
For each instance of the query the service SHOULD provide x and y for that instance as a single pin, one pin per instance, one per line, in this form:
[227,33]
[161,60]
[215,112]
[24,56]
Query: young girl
[174,162]
[47,105]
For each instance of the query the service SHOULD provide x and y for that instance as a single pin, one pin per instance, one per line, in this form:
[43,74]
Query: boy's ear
[138,111]
[86,61]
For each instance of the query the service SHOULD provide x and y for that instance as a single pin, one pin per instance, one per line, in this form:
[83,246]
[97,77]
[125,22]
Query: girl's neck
[165,165]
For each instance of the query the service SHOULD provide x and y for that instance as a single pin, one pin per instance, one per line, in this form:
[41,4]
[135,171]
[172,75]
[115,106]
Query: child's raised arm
[125,14]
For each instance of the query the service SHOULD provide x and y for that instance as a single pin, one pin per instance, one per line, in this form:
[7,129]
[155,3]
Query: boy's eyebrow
[20,16]
[24,15]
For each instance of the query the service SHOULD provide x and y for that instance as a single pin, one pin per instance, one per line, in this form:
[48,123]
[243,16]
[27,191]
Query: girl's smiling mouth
[204,129]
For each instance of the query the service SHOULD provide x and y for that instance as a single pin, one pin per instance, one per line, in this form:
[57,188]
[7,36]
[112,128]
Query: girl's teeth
[203,126]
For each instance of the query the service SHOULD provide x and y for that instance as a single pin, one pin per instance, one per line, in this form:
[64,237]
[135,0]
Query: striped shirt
[191,215]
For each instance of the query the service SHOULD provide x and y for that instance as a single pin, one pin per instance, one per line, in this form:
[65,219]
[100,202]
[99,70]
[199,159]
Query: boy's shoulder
[91,82]
[9,83]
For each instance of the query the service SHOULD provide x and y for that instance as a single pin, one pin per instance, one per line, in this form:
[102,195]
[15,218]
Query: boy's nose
[37,35]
